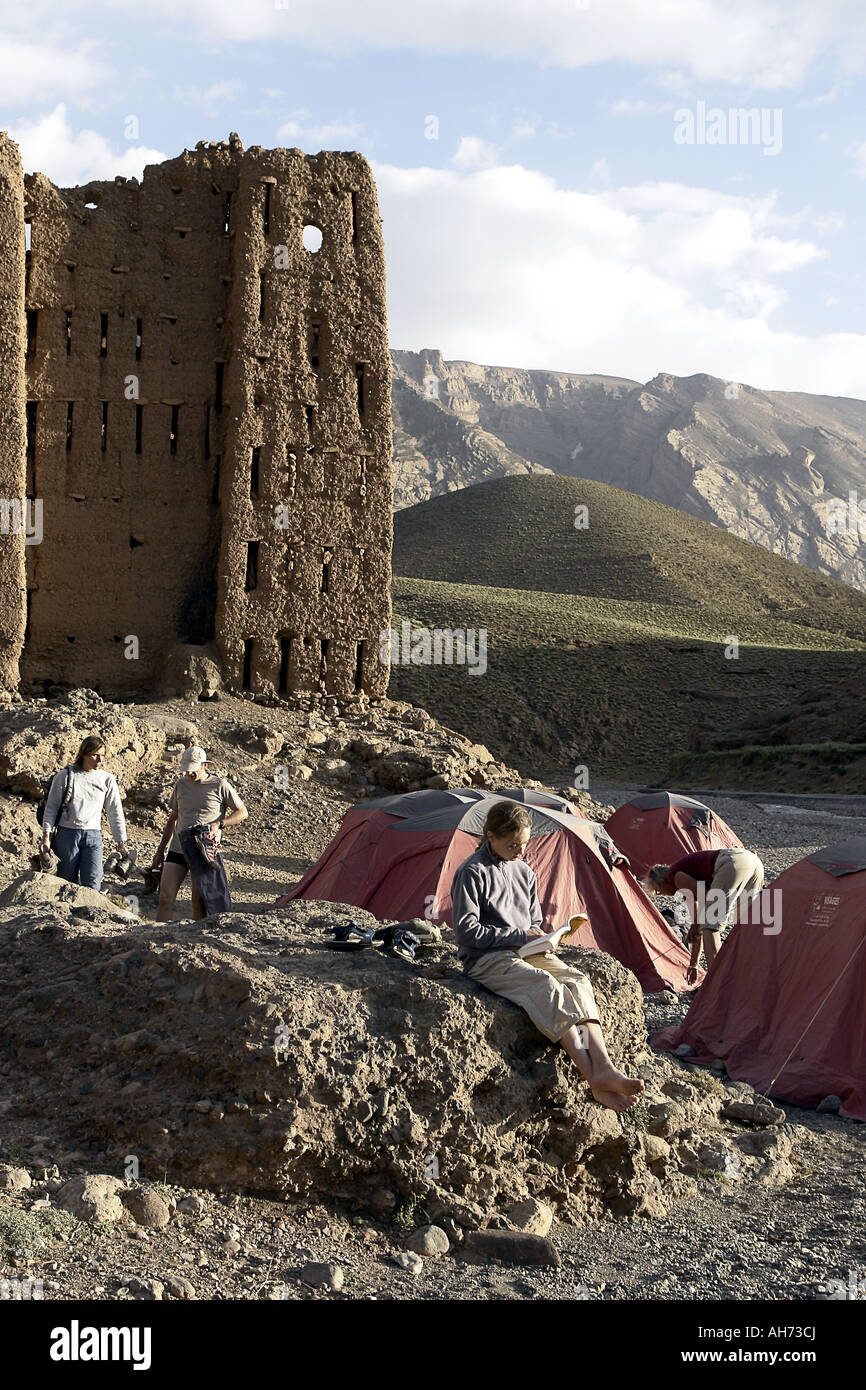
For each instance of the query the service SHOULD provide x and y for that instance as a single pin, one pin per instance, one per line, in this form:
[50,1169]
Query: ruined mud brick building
[203,405]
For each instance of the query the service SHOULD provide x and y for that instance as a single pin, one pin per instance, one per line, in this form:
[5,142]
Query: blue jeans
[80,856]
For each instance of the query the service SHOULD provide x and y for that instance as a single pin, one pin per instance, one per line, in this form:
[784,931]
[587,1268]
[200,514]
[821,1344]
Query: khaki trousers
[555,995]
[740,875]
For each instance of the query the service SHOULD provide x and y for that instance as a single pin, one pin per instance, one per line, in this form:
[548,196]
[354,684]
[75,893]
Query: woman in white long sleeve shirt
[78,837]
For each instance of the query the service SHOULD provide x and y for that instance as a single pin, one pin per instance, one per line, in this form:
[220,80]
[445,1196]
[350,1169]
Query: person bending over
[496,910]
[729,874]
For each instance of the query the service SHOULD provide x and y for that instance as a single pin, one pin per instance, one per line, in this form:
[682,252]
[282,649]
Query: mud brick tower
[195,381]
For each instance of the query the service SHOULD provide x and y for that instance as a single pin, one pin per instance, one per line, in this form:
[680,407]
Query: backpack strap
[67,792]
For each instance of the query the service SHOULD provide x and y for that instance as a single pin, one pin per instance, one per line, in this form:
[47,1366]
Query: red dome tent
[660,827]
[397,857]
[786,1011]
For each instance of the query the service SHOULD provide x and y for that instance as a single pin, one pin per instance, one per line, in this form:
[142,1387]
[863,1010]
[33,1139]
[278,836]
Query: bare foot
[609,1079]
[614,1100]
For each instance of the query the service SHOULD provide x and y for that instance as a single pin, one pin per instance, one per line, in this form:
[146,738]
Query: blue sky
[555,221]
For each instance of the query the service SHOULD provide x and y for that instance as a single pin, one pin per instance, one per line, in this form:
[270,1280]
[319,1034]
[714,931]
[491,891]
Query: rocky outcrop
[244,1053]
[38,738]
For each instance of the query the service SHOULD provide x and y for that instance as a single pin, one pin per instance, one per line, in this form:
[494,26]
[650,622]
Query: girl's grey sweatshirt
[494,902]
[91,793]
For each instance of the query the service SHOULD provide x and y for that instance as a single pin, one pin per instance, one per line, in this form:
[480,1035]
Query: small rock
[514,1247]
[531,1216]
[657,1150]
[338,768]
[14,1179]
[92,1198]
[429,1240]
[192,1205]
[408,1260]
[179,1287]
[232,1246]
[684,1050]
[148,1290]
[323,1276]
[668,998]
[830,1105]
[720,1159]
[146,1207]
[759,1113]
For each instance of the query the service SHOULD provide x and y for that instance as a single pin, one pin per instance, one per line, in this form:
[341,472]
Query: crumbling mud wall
[306,484]
[13,414]
[208,423]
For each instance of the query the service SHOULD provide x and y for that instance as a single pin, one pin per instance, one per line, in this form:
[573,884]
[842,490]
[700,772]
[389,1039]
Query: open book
[552,939]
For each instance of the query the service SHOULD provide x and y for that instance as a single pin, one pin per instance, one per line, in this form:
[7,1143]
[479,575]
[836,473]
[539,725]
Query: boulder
[193,672]
[19,828]
[37,742]
[14,1179]
[513,1246]
[146,1207]
[146,1290]
[179,1287]
[429,1240]
[92,1198]
[532,1216]
[830,1105]
[35,889]
[758,1112]
[264,1063]
[322,1276]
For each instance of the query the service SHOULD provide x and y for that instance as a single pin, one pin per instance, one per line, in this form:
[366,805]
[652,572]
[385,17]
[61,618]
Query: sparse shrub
[411,1214]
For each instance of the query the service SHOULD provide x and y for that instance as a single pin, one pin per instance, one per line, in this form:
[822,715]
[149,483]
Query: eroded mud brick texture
[208,421]
[13,412]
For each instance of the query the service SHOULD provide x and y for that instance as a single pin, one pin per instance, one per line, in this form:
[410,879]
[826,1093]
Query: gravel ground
[727,1243]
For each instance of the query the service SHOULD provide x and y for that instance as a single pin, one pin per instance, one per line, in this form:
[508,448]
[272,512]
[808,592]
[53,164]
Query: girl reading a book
[496,911]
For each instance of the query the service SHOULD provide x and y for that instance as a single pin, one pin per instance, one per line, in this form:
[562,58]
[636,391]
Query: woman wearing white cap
[199,799]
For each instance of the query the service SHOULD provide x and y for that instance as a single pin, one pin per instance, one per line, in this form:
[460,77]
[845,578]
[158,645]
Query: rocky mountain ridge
[776,467]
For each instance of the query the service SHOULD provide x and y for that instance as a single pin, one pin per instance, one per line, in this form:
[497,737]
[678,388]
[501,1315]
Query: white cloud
[525,127]
[503,266]
[213,99]
[739,41]
[50,146]
[39,69]
[637,106]
[474,153]
[858,153]
[329,136]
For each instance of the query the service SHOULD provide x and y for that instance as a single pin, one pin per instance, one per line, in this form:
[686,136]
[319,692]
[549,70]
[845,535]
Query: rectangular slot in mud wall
[251,579]
[285,665]
[247,677]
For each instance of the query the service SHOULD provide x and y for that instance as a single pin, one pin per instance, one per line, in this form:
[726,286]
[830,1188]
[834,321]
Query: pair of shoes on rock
[120,864]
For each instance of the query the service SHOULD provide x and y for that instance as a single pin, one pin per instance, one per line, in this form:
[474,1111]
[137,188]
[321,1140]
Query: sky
[564,184]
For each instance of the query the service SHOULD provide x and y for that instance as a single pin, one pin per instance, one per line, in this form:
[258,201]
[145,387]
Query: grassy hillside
[607,647]
[520,533]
